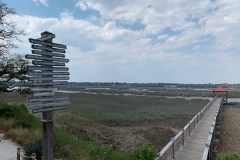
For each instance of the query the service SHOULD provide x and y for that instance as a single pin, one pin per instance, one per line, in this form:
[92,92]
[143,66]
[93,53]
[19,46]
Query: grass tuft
[228,156]
[24,136]
[5,124]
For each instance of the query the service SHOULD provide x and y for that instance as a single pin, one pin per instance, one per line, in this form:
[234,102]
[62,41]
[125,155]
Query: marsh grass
[5,124]
[24,136]
[106,110]
[112,110]
[151,91]
[26,128]
[228,156]
[68,147]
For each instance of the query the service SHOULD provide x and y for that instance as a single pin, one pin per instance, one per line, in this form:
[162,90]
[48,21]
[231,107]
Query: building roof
[220,89]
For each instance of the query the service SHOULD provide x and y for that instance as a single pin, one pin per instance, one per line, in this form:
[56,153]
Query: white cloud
[197,47]
[162,36]
[82,5]
[192,19]
[209,31]
[44,2]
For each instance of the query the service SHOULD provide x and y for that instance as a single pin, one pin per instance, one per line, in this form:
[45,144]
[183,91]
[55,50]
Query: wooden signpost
[48,70]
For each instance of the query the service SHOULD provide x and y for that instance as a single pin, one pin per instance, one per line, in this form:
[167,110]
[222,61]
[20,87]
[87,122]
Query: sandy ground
[230,129]
[8,149]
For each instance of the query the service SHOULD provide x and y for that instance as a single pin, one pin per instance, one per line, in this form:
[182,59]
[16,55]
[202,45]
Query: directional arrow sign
[49,83]
[48,49]
[47,63]
[31,68]
[47,73]
[46,43]
[44,94]
[48,53]
[47,109]
[28,56]
[44,99]
[47,78]
[43,89]
[59,103]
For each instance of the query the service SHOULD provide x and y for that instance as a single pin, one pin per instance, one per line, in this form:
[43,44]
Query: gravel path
[230,129]
[8,149]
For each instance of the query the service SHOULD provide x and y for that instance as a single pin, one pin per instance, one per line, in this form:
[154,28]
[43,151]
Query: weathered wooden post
[183,134]
[173,143]
[18,153]
[33,156]
[47,69]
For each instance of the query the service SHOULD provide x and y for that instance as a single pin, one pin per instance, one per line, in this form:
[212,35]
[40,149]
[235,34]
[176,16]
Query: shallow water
[172,97]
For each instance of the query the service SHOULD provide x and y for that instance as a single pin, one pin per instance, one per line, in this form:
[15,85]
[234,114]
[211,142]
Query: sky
[139,41]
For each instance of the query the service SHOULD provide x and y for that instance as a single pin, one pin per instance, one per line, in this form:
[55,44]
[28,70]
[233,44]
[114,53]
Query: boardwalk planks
[189,143]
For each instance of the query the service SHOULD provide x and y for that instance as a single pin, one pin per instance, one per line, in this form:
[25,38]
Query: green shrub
[20,115]
[228,156]
[11,110]
[102,152]
[24,121]
[145,152]
[35,147]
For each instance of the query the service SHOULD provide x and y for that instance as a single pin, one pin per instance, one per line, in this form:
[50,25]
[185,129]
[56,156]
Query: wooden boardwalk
[194,146]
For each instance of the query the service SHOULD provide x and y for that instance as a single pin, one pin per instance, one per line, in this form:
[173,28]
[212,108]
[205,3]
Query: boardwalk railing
[20,153]
[177,142]
[211,138]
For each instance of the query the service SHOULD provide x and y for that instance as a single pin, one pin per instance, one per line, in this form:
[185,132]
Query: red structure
[221,89]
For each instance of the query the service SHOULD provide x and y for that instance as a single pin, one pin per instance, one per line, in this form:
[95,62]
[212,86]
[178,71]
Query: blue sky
[137,40]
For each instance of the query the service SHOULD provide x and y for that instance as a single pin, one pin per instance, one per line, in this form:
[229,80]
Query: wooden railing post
[197,117]
[183,136]
[189,126]
[33,156]
[173,147]
[166,151]
[194,123]
[18,153]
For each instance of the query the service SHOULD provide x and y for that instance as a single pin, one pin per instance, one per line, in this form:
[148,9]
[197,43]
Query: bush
[35,147]
[24,121]
[24,136]
[5,124]
[102,152]
[20,115]
[11,110]
[228,156]
[145,152]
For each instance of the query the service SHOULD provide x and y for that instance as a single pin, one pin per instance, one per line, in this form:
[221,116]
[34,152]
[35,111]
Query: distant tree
[12,66]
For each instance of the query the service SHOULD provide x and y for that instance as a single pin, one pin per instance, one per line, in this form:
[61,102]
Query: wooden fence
[177,142]
[20,153]
[210,146]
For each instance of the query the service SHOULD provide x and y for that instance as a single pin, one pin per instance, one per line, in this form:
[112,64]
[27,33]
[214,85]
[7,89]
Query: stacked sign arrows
[47,71]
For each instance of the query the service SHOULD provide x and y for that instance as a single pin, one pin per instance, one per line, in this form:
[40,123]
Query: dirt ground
[230,129]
